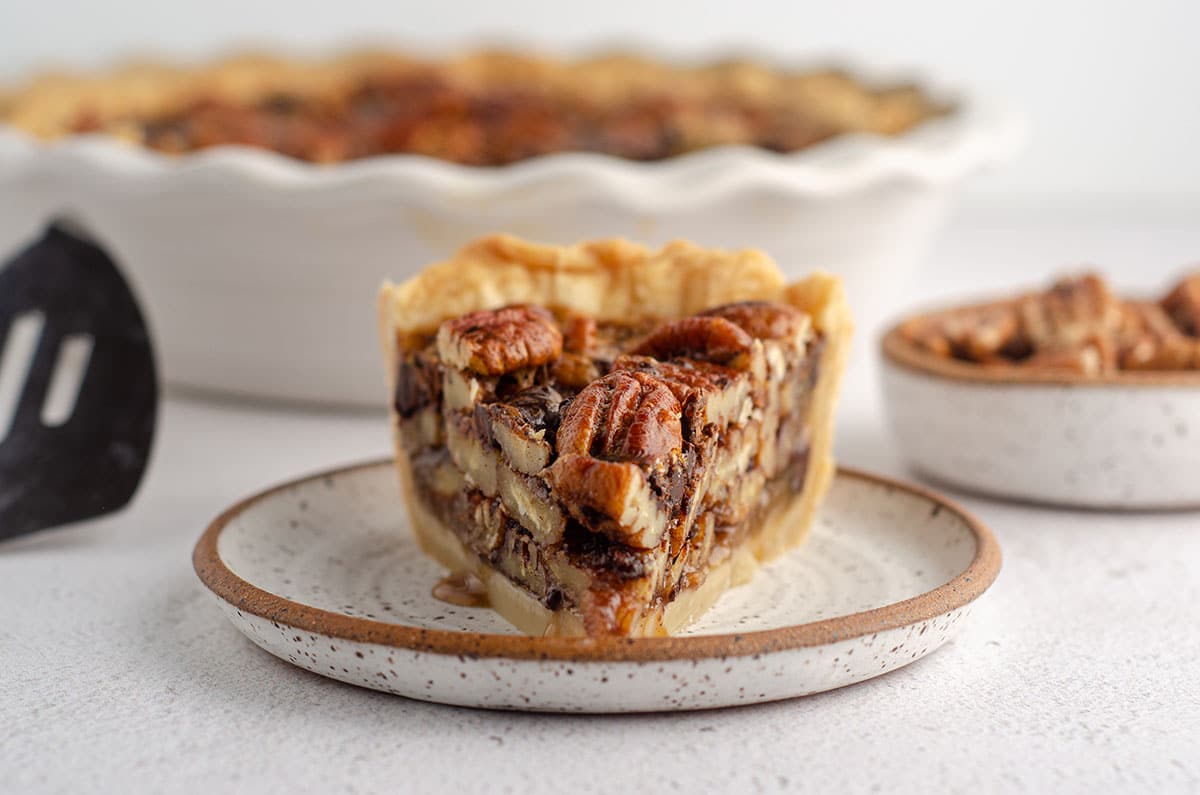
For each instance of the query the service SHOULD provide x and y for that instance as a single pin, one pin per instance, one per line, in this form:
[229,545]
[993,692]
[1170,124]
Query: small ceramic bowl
[1127,441]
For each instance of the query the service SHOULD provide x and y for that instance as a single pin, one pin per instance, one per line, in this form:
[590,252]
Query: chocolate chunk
[417,384]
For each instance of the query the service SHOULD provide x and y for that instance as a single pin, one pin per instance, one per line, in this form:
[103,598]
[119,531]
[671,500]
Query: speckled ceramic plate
[324,573]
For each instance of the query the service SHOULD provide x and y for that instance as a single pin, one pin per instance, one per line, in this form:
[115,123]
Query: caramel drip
[462,589]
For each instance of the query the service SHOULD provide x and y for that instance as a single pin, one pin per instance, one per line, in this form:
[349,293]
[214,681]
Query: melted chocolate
[417,384]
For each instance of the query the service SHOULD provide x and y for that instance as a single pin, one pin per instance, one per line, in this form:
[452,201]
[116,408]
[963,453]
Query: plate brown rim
[959,591]
[899,351]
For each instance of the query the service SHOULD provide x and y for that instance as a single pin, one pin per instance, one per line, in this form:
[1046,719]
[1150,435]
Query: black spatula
[78,386]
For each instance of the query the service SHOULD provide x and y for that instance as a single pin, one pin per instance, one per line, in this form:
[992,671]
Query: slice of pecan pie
[608,437]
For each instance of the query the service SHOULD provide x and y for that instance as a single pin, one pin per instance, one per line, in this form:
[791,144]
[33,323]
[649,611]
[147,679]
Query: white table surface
[1079,671]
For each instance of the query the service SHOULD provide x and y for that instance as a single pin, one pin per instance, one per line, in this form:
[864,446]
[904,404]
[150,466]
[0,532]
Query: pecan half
[478,461]
[1094,355]
[579,333]
[978,334]
[578,366]
[525,427]
[928,332]
[622,417]
[575,371]
[1183,304]
[710,339]
[764,320]
[610,497]
[499,341]
[1073,310]
[528,500]
[709,393]
[992,333]
[1150,341]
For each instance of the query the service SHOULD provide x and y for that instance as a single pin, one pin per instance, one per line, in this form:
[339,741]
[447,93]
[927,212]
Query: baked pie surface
[486,108]
[609,437]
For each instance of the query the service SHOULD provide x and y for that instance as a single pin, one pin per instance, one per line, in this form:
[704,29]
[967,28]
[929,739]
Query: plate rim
[244,596]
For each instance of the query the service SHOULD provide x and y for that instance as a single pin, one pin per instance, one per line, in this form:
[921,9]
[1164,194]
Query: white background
[1078,673]
[1111,86]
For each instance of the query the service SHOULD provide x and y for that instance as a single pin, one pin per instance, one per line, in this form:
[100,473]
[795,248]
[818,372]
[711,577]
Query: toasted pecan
[1076,326]
[980,334]
[764,320]
[1151,341]
[710,339]
[500,341]
[610,497]
[1073,310]
[1093,356]
[1183,305]
[524,427]
[622,417]
[579,333]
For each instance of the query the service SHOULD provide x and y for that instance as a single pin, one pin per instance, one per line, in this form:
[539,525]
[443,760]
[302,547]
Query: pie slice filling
[613,476]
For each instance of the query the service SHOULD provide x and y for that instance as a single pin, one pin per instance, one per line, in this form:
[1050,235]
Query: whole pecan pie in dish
[609,437]
[1078,326]
[485,109]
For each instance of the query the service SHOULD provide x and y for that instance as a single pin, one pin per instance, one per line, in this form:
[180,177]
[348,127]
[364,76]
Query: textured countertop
[1078,672]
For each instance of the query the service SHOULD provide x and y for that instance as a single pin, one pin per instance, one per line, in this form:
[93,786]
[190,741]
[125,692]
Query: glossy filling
[501,110]
[606,468]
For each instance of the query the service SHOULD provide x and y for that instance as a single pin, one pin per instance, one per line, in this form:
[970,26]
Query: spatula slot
[78,385]
[74,354]
[15,362]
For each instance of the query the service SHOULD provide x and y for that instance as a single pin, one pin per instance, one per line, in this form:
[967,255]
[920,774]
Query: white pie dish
[1126,441]
[258,271]
[324,572]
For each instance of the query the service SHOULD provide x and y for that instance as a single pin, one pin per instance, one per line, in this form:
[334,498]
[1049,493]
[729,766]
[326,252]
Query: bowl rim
[961,590]
[898,351]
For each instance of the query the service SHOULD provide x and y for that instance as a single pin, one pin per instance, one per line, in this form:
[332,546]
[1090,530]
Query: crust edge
[608,279]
